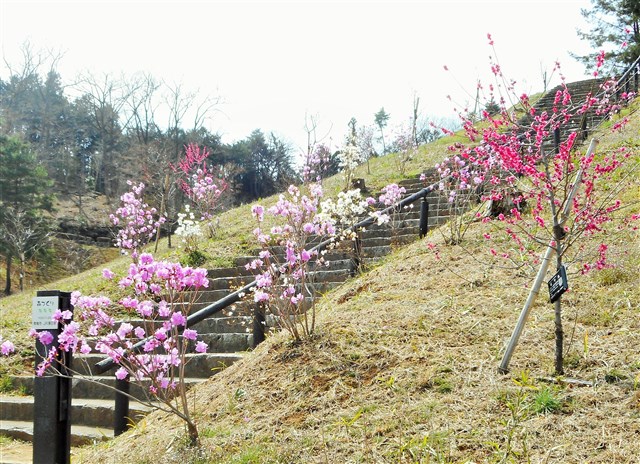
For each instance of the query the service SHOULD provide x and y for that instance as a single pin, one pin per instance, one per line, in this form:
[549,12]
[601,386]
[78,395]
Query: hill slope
[404,369]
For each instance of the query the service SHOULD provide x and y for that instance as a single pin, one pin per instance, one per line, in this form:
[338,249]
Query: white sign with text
[42,312]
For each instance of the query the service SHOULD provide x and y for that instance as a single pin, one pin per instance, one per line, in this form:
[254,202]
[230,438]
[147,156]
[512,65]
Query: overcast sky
[274,62]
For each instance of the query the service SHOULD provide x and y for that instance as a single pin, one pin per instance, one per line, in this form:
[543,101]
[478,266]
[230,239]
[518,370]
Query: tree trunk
[21,276]
[558,311]
[163,207]
[559,338]
[7,287]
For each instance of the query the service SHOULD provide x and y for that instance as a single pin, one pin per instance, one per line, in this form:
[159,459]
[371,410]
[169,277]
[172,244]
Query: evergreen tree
[381,118]
[615,28]
[24,186]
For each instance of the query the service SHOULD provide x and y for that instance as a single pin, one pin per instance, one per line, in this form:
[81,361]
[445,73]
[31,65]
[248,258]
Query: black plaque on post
[558,284]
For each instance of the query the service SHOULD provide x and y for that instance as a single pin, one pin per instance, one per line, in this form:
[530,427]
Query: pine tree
[615,28]
[24,186]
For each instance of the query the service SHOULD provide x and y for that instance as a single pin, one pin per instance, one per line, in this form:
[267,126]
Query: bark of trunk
[7,286]
[559,338]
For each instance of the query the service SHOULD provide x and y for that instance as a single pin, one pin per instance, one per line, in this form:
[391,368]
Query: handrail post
[121,409]
[424,216]
[556,139]
[258,325]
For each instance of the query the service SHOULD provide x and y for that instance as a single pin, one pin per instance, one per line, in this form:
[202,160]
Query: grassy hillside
[403,368]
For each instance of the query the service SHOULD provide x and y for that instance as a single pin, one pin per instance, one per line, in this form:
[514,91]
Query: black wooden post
[121,408]
[626,85]
[258,325]
[556,139]
[424,217]
[52,391]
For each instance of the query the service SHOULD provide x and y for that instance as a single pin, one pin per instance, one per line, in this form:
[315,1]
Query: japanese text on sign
[42,311]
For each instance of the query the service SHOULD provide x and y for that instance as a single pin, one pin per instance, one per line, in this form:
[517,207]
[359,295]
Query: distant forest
[96,133]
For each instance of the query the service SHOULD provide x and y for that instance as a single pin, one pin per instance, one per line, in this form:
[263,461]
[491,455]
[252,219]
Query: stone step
[99,387]
[227,342]
[80,435]
[329,255]
[218,324]
[388,240]
[87,412]
[198,365]
[316,273]
[224,272]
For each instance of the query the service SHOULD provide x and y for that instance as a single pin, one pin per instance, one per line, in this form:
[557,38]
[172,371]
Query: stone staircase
[228,332]
[583,124]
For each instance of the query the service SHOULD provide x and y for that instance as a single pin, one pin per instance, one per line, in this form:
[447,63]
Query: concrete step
[80,435]
[218,324]
[99,387]
[88,412]
[224,272]
[198,365]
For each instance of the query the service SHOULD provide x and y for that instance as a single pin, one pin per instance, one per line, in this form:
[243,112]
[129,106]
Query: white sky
[274,62]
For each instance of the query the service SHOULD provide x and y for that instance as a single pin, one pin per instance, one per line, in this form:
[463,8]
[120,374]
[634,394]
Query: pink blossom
[107,274]
[45,337]
[178,319]
[190,334]
[85,348]
[201,347]
[7,348]
[260,296]
[258,212]
[305,256]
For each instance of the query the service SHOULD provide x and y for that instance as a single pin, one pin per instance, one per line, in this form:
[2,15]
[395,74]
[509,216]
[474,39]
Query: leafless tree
[25,235]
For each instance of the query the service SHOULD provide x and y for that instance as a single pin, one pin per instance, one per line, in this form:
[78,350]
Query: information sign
[558,284]
[42,311]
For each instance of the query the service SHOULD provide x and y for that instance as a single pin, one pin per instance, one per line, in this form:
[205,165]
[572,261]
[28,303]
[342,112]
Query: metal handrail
[619,82]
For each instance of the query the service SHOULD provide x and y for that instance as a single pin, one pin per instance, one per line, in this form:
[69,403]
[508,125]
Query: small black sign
[558,284]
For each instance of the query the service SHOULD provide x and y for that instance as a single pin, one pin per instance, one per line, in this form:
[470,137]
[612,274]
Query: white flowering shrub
[190,232]
[349,158]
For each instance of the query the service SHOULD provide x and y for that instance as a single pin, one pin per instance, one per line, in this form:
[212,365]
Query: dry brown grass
[404,369]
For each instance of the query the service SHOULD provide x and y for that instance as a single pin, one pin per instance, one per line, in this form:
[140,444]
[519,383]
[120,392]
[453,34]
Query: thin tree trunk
[7,287]
[21,277]
[163,206]
[559,337]
[558,305]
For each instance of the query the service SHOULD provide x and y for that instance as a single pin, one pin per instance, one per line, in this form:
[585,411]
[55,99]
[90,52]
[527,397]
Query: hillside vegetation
[403,367]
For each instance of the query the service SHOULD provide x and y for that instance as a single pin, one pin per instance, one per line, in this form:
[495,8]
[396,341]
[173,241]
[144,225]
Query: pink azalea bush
[145,330]
[390,197]
[137,223]
[283,284]
[149,345]
[316,163]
